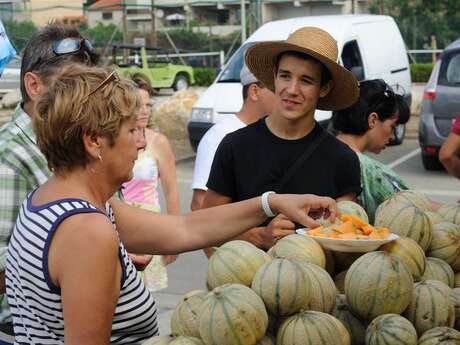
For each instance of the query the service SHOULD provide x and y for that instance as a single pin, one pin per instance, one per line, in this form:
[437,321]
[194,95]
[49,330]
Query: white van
[370,46]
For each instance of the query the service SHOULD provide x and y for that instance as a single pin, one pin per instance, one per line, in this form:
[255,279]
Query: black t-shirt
[252,160]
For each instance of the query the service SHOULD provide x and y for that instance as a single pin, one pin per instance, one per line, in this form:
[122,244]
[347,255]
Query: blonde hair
[65,113]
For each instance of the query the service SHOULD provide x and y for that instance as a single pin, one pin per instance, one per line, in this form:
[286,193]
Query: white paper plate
[350,246]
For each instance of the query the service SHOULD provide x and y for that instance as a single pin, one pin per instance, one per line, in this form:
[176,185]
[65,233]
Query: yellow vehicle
[144,62]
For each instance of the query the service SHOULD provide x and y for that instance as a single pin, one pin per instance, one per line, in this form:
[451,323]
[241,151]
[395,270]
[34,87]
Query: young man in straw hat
[288,151]
[257,102]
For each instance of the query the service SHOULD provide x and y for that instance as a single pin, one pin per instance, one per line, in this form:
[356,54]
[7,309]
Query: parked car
[144,62]
[440,105]
[11,76]
[370,46]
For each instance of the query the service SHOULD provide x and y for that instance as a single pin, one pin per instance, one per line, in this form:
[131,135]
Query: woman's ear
[34,85]
[372,120]
[92,145]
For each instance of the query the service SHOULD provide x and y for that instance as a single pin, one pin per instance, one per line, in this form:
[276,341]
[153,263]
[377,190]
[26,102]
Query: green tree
[102,34]
[418,20]
[19,32]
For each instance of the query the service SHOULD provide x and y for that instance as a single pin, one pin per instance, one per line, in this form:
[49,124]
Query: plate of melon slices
[350,234]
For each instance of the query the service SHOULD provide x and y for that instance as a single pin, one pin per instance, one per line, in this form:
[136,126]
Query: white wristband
[265,205]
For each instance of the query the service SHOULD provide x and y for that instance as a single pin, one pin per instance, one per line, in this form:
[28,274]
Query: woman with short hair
[69,278]
[369,126]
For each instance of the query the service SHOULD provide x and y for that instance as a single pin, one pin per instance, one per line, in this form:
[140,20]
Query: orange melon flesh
[351,227]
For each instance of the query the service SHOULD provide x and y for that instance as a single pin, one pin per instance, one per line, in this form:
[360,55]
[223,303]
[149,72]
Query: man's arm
[197,199]
[262,237]
[448,155]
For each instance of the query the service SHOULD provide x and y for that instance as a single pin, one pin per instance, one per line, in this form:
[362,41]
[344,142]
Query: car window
[231,72]
[450,69]
[453,70]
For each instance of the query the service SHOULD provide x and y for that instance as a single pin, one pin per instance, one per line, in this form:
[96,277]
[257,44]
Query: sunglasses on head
[71,45]
[66,46]
[113,76]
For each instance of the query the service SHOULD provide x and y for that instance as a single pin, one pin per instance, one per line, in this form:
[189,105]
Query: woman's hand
[303,208]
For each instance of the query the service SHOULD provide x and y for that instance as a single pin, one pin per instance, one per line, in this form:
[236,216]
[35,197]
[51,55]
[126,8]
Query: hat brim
[260,59]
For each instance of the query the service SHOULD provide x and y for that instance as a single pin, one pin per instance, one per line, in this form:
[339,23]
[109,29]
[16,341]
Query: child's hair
[375,97]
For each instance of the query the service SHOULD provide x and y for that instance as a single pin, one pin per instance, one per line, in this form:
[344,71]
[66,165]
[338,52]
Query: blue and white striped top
[35,301]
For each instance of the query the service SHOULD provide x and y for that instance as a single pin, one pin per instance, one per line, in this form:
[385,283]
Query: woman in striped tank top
[69,278]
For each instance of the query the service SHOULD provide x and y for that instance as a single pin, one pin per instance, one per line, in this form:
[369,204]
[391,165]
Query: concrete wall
[45,11]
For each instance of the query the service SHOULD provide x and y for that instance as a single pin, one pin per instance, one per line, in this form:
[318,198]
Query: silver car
[9,80]
[440,106]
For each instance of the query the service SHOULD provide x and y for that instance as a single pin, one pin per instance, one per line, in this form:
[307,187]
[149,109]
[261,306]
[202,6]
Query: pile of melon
[405,293]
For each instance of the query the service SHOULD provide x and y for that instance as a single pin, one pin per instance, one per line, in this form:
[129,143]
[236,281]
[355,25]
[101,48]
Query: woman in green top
[368,126]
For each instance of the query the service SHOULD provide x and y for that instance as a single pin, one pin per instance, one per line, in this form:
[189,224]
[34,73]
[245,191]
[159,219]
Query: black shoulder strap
[294,167]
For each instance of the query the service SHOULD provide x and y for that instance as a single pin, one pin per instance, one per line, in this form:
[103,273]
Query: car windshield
[231,73]
[450,69]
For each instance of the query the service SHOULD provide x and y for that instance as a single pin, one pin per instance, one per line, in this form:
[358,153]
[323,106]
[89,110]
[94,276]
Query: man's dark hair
[325,73]
[375,96]
[39,52]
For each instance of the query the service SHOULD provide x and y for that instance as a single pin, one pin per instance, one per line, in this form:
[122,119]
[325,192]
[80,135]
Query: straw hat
[317,43]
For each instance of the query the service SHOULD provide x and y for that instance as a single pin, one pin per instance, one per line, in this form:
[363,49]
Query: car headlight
[202,115]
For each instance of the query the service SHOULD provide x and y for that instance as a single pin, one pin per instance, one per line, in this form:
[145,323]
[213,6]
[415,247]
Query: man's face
[298,87]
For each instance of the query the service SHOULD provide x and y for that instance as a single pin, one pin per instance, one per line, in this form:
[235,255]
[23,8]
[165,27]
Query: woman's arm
[167,168]
[146,232]
[84,263]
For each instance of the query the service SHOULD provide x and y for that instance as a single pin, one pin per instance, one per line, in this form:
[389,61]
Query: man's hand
[140,261]
[279,227]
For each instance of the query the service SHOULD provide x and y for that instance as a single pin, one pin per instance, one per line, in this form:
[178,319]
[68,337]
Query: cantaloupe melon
[440,336]
[410,252]
[431,306]
[283,286]
[446,244]
[414,198]
[184,319]
[378,283]
[450,213]
[391,329]
[405,220]
[437,269]
[323,290]
[339,280]
[435,218]
[232,314]
[312,326]
[299,247]
[354,325]
[455,296]
[183,340]
[235,262]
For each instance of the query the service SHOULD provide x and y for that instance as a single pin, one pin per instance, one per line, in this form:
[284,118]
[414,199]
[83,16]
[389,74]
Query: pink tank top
[142,190]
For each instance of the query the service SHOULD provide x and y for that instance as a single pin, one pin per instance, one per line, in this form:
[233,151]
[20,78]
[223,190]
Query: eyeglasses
[113,76]
[71,45]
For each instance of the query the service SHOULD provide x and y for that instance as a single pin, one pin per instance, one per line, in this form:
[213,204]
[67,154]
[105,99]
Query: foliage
[19,32]
[418,20]
[420,72]
[204,76]
[102,34]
